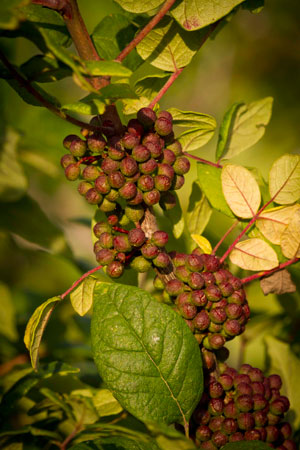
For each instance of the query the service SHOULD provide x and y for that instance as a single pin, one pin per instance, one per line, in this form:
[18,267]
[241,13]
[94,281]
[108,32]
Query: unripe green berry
[90,173]
[113,195]
[141,153]
[151,197]
[67,160]
[83,187]
[107,206]
[158,283]
[140,264]
[115,269]
[93,197]
[96,143]
[72,172]
[134,213]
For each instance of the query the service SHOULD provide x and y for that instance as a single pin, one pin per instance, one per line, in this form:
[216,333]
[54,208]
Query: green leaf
[192,119]
[246,445]
[195,14]
[8,326]
[139,7]
[198,212]
[26,219]
[117,90]
[13,182]
[254,254]
[247,126]
[92,104]
[255,6]
[105,403]
[105,68]
[195,138]
[145,354]
[15,393]
[168,46]
[58,400]
[209,178]
[150,85]
[112,35]
[82,297]
[241,190]
[47,370]
[284,179]
[11,13]
[36,326]
[176,219]
[286,364]
[44,69]
[226,129]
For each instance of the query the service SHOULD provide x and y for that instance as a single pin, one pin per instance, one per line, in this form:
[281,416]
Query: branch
[77,282]
[204,161]
[140,36]
[235,223]
[29,88]
[269,272]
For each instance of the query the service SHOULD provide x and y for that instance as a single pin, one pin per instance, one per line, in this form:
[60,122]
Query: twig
[78,427]
[177,72]
[77,282]
[29,88]
[204,161]
[235,223]
[269,272]
[140,36]
[62,6]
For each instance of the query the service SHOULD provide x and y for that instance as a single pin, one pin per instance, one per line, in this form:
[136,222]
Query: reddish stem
[88,160]
[120,230]
[204,161]
[140,36]
[269,272]
[165,87]
[225,236]
[74,285]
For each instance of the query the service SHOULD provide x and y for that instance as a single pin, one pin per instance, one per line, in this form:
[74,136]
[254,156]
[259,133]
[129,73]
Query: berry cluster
[140,167]
[117,248]
[210,299]
[242,405]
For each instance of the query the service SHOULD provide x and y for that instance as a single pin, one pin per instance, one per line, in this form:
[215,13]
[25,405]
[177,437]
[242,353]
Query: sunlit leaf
[284,179]
[105,403]
[195,14]
[105,68]
[89,105]
[290,238]
[254,254]
[192,119]
[225,129]
[36,326]
[149,85]
[273,222]
[146,354]
[241,190]
[202,242]
[139,7]
[82,297]
[278,283]
[247,126]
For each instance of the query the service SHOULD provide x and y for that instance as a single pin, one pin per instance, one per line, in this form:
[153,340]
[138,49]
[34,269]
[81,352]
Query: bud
[215,406]
[116,153]
[243,389]
[182,273]
[174,287]
[166,169]
[168,157]
[134,213]
[195,280]
[106,240]
[101,227]
[135,127]
[215,423]
[215,389]
[102,185]
[198,298]
[212,292]
[219,438]
[232,327]
[181,165]
[137,199]
[275,381]
[226,288]
[214,341]
[163,126]
[236,437]
[233,311]
[96,143]
[69,139]
[105,256]
[90,173]
[130,140]
[121,243]
[113,195]
[217,315]
[160,238]
[177,182]
[203,433]
[158,283]
[272,433]
[162,182]
[252,435]
[162,260]
[176,148]
[115,269]
[193,263]
[201,321]
[187,310]
[146,183]
[244,403]
[230,410]
[128,166]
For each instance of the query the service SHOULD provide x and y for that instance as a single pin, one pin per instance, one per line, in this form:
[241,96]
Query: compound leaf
[36,326]
[284,179]
[195,14]
[145,354]
[254,254]
[241,190]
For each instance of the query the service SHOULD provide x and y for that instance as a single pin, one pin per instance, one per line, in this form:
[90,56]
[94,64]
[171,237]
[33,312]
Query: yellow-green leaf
[36,326]
[82,297]
[284,179]
[202,242]
[290,238]
[105,403]
[254,254]
[241,190]
[272,223]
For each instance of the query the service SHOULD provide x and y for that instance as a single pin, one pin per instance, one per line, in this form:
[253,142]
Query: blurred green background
[254,56]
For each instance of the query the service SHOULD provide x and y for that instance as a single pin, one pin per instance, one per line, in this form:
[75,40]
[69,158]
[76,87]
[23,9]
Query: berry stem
[203,161]
[269,272]
[29,88]
[177,72]
[235,223]
[120,230]
[77,282]
[140,36]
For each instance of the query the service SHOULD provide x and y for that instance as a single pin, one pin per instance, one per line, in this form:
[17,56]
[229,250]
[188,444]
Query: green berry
[134,213]
[96,143]
[72,172]
[107,206]
[83,187]
[112,196]
[140,264]
[67,160]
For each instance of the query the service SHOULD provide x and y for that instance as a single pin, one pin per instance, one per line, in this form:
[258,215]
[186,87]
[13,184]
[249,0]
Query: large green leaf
[195,14]
[13,182]
[36,326]
[244,126]
[150,85]
[146,354]
[246,445]
[139,7]
[168,46]
[11,13]
[112,35]
[285,363]
[192,119]
[26,219]
[209,178]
